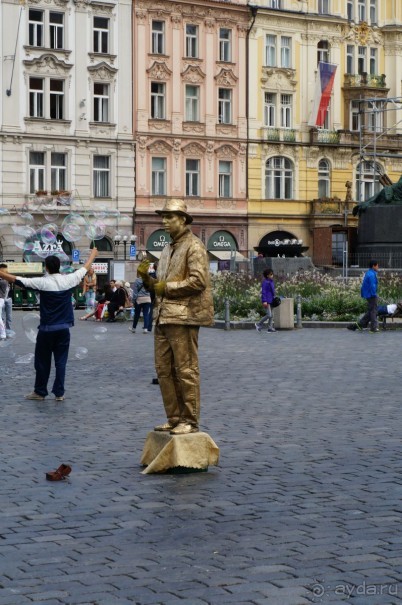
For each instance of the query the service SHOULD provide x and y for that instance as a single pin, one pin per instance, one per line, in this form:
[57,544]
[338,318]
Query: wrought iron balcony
[365,80]
[286,135]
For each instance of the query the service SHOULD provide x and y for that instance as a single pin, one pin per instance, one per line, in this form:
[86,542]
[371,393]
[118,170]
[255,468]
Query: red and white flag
[322,95]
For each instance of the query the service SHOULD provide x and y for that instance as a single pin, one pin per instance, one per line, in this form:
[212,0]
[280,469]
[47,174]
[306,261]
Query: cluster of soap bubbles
[38,225]
[30,323]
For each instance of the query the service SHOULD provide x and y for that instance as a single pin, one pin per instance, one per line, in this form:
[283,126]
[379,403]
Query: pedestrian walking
[369,292]
[4,288]
[56,319]
[142,302]
[267,298]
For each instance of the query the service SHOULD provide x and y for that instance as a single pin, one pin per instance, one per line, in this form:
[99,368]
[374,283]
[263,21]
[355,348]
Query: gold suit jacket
[188,297]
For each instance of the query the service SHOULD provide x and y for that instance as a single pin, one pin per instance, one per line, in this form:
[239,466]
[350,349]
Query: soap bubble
[96,230]
[80,352]
[100,333]
[25,358]
[26,217]
[72,232]
[48,233]
[4,343]
[30,324]
[22,234]
[66,268]
[51,214]
[4,212]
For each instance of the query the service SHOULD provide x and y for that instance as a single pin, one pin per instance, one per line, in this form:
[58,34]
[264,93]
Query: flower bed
[324,298]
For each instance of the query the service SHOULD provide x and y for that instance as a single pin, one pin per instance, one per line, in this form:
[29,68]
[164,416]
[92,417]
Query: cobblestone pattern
[305,506]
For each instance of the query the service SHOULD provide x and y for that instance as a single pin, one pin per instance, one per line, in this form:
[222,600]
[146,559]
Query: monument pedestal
[163,452]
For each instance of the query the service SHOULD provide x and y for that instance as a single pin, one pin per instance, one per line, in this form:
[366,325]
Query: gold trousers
[176,363]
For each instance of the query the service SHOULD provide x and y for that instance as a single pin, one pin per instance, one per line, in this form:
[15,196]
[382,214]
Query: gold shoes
[164,427]
[184,429]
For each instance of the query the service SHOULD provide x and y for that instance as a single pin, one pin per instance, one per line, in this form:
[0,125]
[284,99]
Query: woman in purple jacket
[267,296]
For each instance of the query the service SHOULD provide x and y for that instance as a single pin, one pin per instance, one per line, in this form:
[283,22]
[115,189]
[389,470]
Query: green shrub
[323,298]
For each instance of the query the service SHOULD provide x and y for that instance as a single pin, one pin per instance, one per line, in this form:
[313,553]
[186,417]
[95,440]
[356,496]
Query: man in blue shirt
[56,319]
[369,292]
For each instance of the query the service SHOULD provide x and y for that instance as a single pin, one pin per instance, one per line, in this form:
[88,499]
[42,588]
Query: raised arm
[91,258]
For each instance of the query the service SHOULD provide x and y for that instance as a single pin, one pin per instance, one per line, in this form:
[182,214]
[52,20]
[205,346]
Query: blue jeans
[48,343]
[146,308]
[370,316]
[268,317]
[8,308]
[90,299]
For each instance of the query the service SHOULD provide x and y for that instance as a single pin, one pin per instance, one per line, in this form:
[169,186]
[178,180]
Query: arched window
[102,245]
[323,51]
[367,180]
[324,182]
[278,178]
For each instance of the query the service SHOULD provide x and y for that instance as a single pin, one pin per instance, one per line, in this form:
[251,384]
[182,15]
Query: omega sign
[161,243]
[222,243]
[38,247]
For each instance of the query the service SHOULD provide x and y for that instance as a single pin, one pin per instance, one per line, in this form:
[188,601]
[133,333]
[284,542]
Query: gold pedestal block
[163,452]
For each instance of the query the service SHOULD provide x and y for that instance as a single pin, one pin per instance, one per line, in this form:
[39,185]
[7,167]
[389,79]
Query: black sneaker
[352,327]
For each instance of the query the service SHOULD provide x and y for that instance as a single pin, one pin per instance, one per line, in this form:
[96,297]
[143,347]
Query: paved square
[305,506]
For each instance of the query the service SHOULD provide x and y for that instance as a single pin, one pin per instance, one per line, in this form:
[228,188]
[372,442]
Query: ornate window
[36,171]
[322,52]
[46,98]
[279,178]
[286,111]
[274,3]
[323,7]
[225,178]
[158,104]
[324,179]
[101,35]
[101,102]
[192,103]
[46,29]
[158,184]
[269,109]
[58,171]
[45,164]
[191,41]
[270,50]
[225,44]
[158,37]
[192,177]
[286,51]
[225,106]
[101,176]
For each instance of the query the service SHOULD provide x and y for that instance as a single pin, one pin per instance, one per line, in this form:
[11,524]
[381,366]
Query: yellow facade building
[304,180]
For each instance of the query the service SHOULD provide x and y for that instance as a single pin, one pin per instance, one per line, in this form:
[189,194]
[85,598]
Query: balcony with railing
[323,136]
[365,80]
[284,135]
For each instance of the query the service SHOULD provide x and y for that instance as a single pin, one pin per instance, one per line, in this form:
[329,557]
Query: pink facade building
[190,123]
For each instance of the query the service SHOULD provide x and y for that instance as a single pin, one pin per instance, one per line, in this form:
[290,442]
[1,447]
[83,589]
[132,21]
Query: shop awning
[227,255]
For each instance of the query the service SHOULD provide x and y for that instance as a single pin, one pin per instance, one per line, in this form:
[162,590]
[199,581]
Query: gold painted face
[173,223]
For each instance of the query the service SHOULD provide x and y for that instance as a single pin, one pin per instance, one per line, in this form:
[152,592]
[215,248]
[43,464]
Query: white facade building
[65,111]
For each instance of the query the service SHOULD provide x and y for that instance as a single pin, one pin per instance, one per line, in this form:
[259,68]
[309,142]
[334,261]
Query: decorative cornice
[226,151]
[226,77]
[47,64]
[61,3]
[103,71]
[193,149]
[278,78]
[159,146]
[159,71]
[193,74]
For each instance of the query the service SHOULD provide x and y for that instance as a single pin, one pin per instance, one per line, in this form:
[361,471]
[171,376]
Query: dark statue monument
[379,232]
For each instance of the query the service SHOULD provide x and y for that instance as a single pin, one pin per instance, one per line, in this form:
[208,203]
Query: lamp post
[125,239]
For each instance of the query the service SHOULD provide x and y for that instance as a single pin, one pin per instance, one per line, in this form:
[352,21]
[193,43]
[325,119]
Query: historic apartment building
[190,125]
[65,113]
[303,180]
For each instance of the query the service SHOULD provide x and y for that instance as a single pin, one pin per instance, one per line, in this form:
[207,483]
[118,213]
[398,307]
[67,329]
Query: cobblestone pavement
[305,506]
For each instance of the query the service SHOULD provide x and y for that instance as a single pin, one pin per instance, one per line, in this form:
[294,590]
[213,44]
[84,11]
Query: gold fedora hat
[178,207]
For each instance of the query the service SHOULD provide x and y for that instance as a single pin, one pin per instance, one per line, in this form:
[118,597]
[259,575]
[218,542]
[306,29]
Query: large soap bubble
[95,230]
[30,324]
[72,232]
[49,232]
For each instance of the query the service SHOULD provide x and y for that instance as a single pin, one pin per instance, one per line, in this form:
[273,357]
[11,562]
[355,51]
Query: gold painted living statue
[183,304]
[390,194]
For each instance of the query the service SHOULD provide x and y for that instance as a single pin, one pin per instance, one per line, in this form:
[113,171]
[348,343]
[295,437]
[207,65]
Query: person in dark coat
[117,302]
